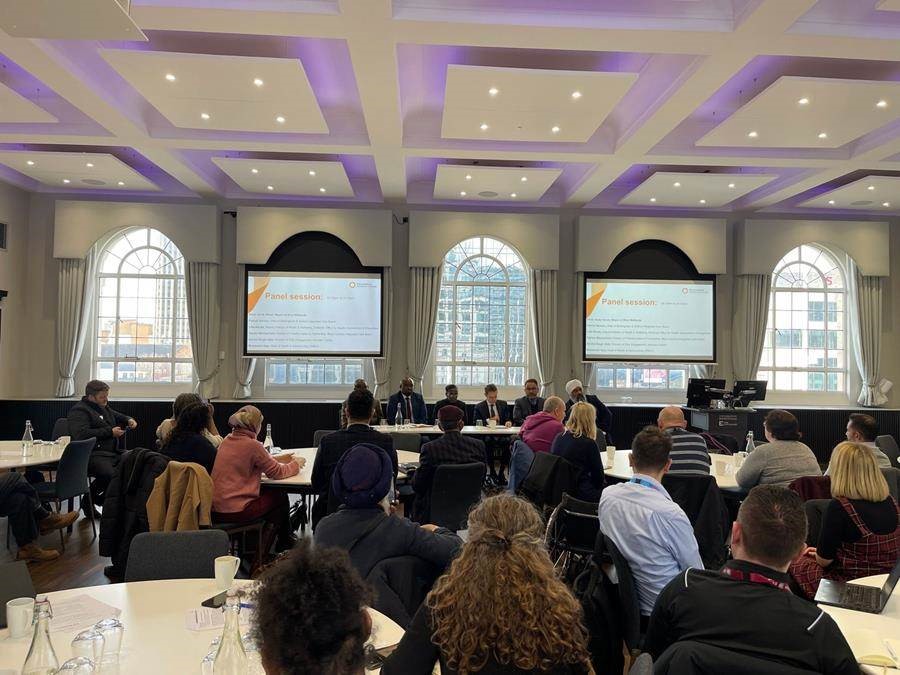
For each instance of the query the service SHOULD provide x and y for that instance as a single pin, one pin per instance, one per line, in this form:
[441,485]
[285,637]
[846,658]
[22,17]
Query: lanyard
[755,578]
[641,481]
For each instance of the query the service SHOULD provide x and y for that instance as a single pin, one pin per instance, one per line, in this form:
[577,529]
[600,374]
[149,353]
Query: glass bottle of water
[231,659]
[268,444]
[41,659]
[750,446]
[27,440]
[398,418]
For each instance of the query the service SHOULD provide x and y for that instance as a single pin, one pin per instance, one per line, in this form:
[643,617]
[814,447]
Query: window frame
[332,391]
[642,394]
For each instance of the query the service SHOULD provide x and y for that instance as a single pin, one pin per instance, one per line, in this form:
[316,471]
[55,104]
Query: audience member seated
[187,442]
[365,526]
[529,404]
[860,533]
[581,445]
[492,409]
[450,448]
[210,432]
[240,462]
[747,608]
[863,429]
[92,417]
[501,608]
[375,420]
[359,410]
[411,404]
[28,518]
[451,397]
[539,430]
[782,459]
[690,456]
[310,614]
[652,532]
[575,390]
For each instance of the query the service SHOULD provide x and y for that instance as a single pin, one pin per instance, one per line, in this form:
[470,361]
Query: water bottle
[750,446]
[231,659]
[41,659]
[398,418]
[27,440]
[268,444]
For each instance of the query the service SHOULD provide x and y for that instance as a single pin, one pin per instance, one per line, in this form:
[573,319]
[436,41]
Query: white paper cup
[719,465]
[492,423]
[226,567]
[610,455]
[19,616]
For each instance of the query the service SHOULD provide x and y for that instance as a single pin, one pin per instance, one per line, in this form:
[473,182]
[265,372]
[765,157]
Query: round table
[155,640]
[304,478]
[11,455]
[723,470]
[886,624]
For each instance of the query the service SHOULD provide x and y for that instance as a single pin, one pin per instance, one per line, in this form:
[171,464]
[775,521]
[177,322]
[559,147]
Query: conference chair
[319,434]
[633,623]
[175,555]
[71,480]
[455,490]
[549,477]
[571,535]
[888,445]
[520,459]
[408,442]
[812,487]
[60,428]
[892,476]
[401,584]
[702,501]
[15,582]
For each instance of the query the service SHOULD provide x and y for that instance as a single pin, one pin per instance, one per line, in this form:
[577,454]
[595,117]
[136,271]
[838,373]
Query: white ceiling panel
[82,170]
[492,183]
[226,93]
[288,177]
[66,20]
[520,104]
[809,112]
[694,190]
[15,108]
[874,193]
[889,5]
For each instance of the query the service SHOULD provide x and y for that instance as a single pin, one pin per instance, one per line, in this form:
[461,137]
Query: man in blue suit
[412,405]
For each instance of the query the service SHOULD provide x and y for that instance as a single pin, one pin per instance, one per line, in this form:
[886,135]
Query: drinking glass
[80,665]
[479,423]
[89,644]
[112,631]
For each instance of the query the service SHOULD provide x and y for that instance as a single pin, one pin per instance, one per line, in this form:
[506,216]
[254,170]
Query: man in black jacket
[360,403]
[451,448]
[92,417]
[529,404]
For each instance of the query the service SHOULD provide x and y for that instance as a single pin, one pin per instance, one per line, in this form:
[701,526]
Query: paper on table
[207,618]
[80,611]
[869,648]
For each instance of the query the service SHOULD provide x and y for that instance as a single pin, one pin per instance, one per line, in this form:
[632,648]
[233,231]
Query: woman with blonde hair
[860,533]
[240,462]
[500,609]
[583,445]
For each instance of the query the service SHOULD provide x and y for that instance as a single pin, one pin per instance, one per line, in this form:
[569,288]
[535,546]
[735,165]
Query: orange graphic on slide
[254,296]
[594,293]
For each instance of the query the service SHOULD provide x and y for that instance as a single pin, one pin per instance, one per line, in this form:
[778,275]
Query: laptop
[854,596]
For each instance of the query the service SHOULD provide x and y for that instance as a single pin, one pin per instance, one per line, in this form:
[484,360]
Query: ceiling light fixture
[676,184]
[823,135]
[576,95]
[30,163]
[280,119]
[258,82]
[121,183]
[462,193]
[524,179]
[254,170]
[312,172]
[652,200]
[322,189]
[204,116]
[66,181]
[555,130]
[702,201]
[753,134]
[870,188]
[803,101]
[831,202]
[885,203]
[468,176]
[731,186]
[269,188]
[89,165]
[484,126]
[881,104]
[170,77]
[493,91]
[513,195]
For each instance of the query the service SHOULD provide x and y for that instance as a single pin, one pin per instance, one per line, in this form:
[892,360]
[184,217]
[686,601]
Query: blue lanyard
[641,481]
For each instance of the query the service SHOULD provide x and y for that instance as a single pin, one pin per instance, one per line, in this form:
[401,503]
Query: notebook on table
[848,595]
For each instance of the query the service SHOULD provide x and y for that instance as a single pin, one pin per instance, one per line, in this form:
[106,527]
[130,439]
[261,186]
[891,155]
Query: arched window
[481,334]
[142,334]
[806,337]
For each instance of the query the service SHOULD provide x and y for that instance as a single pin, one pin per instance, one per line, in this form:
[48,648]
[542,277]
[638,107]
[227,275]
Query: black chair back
[573,526]
[702,501]
[319,434]
[888,445]
[892,476]
[60,428]
[628,597]
[401,584]
[455,490]
[72,471]
[175,555]
[15,582]
[549,477]
[408,442]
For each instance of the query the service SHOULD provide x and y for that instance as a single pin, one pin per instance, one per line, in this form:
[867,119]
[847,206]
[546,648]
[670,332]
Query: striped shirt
[689,455]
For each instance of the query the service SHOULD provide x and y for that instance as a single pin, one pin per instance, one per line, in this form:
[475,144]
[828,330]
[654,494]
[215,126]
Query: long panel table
[723,469]
[434,430]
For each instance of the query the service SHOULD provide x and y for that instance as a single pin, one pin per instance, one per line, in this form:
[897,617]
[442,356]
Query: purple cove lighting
[304,6]
[794,202]
[755,77]
[851,18]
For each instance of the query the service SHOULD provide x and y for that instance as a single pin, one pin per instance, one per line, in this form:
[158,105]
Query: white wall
[13,212]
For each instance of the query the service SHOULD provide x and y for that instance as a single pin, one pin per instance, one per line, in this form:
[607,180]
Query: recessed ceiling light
[652,200]
[254,170]
[576,95]
[753,134]
[468,176]
[484,126]
[270,188]
[30,163]
[170,77]
[881,104]
[462,193]
[823,135]
[524,179]
[66,180]
[831,202]
[321,189]
[885,203]
[312,172]
[731,186]
[513,195]
[702,201]
[870,188]
[279,119]
[803,101]
[555,130]
[89,165]
[204,116]
[258,82]
[676,184]
[121,183]
[493,91]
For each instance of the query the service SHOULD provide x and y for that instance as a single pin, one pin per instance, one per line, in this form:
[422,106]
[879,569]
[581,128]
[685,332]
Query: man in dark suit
[411,404]
[451,448]
[451,398]
[360,404]
[494,409]
[92,417]
[575,390]
[529,404]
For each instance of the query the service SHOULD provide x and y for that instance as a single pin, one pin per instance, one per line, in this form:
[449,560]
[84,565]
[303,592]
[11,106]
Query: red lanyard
[755,578]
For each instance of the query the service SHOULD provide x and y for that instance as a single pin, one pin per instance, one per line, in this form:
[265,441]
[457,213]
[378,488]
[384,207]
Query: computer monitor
[747,391]
[701,392]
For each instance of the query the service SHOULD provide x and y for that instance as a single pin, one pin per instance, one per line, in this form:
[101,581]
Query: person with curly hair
[181,402]
[310,614]
[187,442]
[500,609]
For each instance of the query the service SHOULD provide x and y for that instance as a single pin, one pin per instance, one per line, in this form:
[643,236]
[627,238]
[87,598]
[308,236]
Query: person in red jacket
[539,430]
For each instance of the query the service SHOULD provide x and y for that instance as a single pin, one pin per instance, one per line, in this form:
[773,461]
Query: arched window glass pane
[806,340]
[142,330]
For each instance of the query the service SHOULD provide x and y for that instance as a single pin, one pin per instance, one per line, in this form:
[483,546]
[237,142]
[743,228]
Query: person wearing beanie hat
[575,390]
[365,525]
[450,448]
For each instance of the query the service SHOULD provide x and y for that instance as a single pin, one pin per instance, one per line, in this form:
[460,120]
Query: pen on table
[892,653]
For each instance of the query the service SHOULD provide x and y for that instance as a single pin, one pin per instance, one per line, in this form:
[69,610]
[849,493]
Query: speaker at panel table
[312,314]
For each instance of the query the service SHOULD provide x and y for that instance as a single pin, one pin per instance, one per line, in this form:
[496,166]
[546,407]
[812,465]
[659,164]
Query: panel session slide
[312,314]
[647,320]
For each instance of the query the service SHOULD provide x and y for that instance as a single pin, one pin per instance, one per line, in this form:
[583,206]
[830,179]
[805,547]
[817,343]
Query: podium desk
[732,422]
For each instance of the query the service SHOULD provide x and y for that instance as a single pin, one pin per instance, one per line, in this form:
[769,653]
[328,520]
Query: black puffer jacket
[125,507]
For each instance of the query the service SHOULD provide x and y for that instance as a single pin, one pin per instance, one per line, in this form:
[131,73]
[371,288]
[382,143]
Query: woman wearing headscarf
[240,462]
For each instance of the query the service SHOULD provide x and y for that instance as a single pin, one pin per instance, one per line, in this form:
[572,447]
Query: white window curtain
[244,366]
[865,331]
[424,294]
[702,370]
[201,281]
[748,327]
[544,323]
[77,284]
[586,372]
[382,366]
